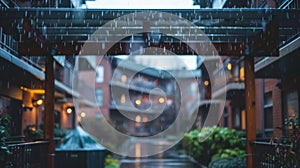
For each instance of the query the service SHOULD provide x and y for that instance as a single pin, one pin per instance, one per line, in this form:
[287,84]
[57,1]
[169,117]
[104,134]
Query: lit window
[138,118]
[242,73]
[123,99]
[138,102]
[229,66]
[99,74]
[161,100]
[243,117]
[123,78]
[99,97]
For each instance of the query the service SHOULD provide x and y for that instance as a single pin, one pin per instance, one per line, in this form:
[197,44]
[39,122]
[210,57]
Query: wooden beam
[49,109]
[95,48]
[250,108]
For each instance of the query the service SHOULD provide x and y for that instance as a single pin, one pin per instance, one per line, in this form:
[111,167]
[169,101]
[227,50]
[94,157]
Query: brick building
[276,84]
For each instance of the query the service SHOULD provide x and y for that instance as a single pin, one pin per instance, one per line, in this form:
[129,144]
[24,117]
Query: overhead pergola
[233,32]
[230,30]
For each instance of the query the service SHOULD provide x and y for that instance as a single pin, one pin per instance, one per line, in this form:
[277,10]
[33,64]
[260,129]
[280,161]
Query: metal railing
[288,4]
[268,155]
[8,43]
[28,155]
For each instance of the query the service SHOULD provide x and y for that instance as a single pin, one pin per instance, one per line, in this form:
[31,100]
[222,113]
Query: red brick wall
[258,103]
[105,86]
[88,76]
[270,86]
[271,3]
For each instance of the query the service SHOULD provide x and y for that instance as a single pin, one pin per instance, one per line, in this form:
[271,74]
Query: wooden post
[250,108]
[49,109]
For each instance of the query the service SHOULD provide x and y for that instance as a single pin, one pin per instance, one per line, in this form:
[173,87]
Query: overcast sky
[189,62]
[141,4]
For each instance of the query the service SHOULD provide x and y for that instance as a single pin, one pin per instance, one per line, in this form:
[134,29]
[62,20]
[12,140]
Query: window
[68,74]
[239,118]
[291,103]
[99,97]
[242,74]
[236,118]
[268,114]
[123,78]
[99,74]
[243,117]
[123,99]
[225,115]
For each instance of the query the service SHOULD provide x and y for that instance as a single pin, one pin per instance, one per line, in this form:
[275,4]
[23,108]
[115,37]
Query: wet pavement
[159,163]
[168,159]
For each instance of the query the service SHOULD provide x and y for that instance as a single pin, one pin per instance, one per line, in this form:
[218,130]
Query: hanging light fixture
[69,110]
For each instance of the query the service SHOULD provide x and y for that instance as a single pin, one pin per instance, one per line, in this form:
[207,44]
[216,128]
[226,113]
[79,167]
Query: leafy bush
[287,148]
[111,162]
[59,133]
[211,143]
[32,133]
[228,163]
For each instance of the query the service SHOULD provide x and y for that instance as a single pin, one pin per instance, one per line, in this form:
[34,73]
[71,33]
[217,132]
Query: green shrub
[228,163]
[4,151]
[32,133]
[111,162]
[211,143]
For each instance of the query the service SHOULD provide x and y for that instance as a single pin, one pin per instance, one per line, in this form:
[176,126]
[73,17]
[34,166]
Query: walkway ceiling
[233,32]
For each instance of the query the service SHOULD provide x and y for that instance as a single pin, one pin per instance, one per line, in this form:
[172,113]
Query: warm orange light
[242,73]
[161,100]
[138,102]
[138,118]
[229,66]
[39,102]
[69,110]
[138,150]
[23,88]
[36,91]
[123,78]
[243,119]
[145,119]
[206,83]
[123,99]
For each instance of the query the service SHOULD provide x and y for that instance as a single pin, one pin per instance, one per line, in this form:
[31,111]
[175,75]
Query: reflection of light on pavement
[138,150]
[137,163]
[160,155]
